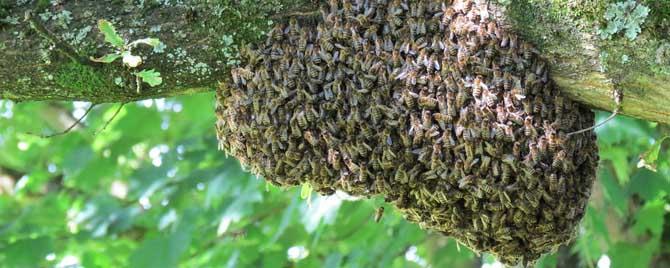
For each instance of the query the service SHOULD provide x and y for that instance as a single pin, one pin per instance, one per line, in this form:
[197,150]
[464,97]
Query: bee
[416,129]
[426,119]
[561,186]
[559,103]
[529,129]
[461,98]
[293,28]
[538,104]
[241,75]
[489,98]
[493,206]
[466,181]
[356,41]
[518,217]
[540,68]
[477,86]
[544,227]
[327,44]
[559,159]
[379,213]
[301,119]
[409,97]
[401,175]
[309,137]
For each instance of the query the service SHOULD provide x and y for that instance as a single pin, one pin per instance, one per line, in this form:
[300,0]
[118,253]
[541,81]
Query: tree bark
[202,39]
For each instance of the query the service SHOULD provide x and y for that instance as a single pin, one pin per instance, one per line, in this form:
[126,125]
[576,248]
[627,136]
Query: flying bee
[379,213]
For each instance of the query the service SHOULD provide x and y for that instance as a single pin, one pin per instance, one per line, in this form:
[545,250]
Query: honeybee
[426,102]
[477,86]
[379,213]
[559,159]
[489,98]
[409,97]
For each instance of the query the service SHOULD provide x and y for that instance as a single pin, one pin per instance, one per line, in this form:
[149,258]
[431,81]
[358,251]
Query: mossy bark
[587,67]
[202,38]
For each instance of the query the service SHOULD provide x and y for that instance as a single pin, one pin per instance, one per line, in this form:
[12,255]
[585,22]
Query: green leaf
[650,217]
[625,254]
[619,158]
[166,250]
[306,191]
[150,77]
[648,184]
[27,252]
[649,158]
[613,191]
[109,58]
[107,29]
[153,42]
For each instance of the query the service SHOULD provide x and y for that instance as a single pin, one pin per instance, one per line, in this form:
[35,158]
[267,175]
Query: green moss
[541,20]
[251,19]
[4,8]
[41,5]
[659,17]
[79,78]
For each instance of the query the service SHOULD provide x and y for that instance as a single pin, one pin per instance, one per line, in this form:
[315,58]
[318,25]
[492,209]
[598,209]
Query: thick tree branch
[41,56]
[201,41]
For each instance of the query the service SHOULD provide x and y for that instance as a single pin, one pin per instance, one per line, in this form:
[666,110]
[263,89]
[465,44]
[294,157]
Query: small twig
[67,130]
[62,46]
[618,96]
[138,83]
[110,120]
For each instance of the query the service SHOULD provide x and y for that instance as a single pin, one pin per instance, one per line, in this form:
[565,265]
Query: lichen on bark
[201,42]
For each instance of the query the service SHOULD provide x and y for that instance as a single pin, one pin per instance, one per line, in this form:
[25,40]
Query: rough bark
[201,41]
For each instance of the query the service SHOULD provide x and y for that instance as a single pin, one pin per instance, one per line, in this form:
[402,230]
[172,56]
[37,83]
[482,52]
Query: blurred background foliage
[151,190]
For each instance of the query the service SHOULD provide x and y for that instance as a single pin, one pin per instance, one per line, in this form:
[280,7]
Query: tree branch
[584,66]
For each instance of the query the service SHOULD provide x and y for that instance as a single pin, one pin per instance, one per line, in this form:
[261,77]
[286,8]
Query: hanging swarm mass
[431,104]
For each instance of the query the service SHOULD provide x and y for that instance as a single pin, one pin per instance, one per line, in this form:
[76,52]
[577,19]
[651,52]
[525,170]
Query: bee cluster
[433,105]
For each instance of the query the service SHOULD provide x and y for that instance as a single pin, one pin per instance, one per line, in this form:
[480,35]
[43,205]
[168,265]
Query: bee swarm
[431,104]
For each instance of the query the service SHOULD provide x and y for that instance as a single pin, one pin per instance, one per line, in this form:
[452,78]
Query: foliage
[151,77]
[626,17]
[124,51]
[151,190]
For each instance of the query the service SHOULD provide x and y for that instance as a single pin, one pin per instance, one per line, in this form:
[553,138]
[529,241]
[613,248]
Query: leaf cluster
[152,190]
[626,17]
